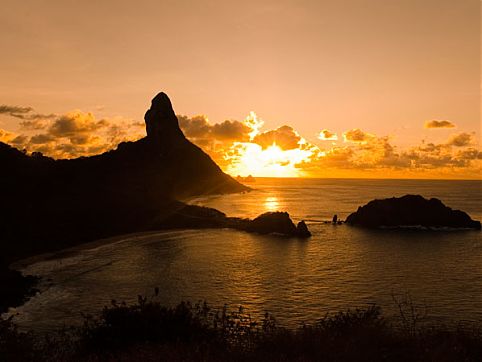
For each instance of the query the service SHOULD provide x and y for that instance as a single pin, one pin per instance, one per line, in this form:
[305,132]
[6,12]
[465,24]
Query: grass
[149,331]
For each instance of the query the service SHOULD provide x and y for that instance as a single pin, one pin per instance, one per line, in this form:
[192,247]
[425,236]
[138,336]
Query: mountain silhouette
[51,203]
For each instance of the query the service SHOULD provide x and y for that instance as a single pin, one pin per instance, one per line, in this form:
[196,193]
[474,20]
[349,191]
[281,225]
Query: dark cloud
[75,123]
[195,127]
[357,135]
[231,131]
[23,112]
[470,154]
[439,124]
[460,140]
[14,110]
[285,138]
[215,139]
[19,140]
[198,128]
[36,124]
[41,139]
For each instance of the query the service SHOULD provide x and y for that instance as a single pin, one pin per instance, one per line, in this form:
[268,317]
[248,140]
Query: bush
[149,331]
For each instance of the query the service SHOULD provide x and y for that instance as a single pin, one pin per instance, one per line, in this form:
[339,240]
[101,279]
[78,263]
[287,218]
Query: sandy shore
[62,253]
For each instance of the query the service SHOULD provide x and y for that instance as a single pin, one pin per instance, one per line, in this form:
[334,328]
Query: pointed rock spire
[162,126]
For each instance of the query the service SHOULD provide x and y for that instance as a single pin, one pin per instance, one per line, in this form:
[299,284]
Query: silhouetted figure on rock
[335,219]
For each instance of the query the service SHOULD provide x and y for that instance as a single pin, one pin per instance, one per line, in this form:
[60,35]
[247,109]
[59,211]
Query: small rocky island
[410,211]
[200,217]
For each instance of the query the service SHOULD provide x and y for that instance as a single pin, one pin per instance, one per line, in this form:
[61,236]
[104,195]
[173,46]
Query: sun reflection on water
[271,203]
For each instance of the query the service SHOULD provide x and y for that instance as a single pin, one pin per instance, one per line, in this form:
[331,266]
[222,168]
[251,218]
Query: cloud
[13,110]
[285,137]
[231,143]
[23,112]
[36,124]
[231,130]
[199,128]
[19,140]
[73,134]
[460,140]
[40,139]
[378,156]
[6,136]
[357,135]
[215,139]
[75,124]
[326,135]
[439,124]
[195,127]
[470,154]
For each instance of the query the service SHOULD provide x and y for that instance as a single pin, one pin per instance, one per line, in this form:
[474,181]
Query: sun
[249,158]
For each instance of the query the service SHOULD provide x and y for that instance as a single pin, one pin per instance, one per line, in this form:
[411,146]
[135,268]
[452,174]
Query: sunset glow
[337,96]
[271,203]
[251,158]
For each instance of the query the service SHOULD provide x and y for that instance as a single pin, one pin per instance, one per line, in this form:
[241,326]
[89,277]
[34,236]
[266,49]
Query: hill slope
[49,203]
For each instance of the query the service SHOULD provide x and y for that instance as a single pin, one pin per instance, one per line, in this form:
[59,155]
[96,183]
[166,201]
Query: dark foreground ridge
[148,331]
[410,211]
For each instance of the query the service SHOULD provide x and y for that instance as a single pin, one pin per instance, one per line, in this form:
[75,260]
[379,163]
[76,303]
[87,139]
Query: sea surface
[297,281]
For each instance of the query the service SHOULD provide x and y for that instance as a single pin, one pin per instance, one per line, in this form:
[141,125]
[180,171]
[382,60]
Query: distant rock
[247,179]
[273,222]
[302,230]
[200,217]
[410,211]
[277,222]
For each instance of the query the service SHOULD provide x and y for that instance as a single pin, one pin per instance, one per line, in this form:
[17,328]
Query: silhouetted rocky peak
[131,188]
[162,126]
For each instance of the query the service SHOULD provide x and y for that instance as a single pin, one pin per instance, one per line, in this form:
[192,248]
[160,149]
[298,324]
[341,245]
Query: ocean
[297,281]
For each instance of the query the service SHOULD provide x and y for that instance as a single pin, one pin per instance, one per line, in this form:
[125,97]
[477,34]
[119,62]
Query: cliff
[49,203]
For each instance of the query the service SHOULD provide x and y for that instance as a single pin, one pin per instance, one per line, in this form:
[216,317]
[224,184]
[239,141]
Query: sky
[76,78]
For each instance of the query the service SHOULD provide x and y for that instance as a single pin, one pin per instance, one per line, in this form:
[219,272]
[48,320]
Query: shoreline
[61,253]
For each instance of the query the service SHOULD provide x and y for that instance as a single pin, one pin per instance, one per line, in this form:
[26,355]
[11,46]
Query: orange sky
[383,67]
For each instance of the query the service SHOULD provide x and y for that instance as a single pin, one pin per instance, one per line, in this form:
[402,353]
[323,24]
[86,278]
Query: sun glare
[271,203]
[249,158]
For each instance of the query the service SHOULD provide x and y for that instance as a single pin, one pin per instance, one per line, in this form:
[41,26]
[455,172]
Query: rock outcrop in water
[302,230]
[48,204]
[410,211]
[191,216]
[277,222]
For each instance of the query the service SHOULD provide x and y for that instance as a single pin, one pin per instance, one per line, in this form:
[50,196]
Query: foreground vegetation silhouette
[149,331]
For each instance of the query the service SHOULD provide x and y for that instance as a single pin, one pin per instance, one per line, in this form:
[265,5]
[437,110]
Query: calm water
[339,267]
